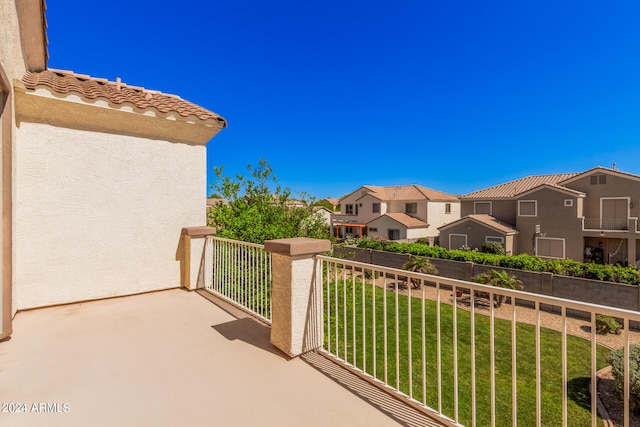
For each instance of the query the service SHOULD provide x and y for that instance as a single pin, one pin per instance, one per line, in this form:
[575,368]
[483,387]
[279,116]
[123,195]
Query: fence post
[193,257]
[296,295]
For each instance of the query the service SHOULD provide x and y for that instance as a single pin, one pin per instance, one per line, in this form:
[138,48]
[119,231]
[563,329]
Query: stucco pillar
[296,295]
[195,257]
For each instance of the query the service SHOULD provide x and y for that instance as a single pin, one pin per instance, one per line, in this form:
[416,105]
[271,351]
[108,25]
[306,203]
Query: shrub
[492,248]
[607,324]
[501,279]
[616,359]
[423,241]
[419,264]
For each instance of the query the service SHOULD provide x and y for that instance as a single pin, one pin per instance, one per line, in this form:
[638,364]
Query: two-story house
[406,212]
[589,216]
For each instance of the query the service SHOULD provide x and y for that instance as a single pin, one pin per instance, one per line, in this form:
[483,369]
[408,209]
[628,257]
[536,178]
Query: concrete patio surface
[174,358]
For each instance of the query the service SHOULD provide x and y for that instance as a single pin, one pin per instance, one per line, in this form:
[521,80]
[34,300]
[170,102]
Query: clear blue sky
[452,95]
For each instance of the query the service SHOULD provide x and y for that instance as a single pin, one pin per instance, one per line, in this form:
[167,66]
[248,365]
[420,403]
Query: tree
[501,279]
[325,204]
[260,209]
[419,264]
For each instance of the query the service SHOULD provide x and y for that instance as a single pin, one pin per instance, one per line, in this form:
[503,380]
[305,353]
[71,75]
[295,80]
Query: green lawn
[367,344]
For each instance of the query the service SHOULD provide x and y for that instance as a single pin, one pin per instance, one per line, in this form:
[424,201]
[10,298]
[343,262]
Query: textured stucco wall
[11,56]
[100,215]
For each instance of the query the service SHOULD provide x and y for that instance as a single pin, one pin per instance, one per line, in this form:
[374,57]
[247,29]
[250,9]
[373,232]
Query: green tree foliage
[325,204]
[260,209]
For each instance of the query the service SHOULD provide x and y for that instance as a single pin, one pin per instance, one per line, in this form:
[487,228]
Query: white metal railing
[470,365]
[241,274]
[605,224]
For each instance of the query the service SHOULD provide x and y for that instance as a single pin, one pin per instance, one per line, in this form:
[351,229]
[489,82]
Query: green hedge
[564,267]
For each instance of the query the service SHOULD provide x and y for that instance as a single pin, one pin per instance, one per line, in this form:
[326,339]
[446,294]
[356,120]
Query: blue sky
[453,95]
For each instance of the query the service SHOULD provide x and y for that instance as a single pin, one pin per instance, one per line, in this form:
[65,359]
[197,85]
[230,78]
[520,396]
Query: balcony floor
[174,358]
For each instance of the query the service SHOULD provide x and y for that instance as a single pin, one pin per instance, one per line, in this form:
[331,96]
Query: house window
[527,207]
[482,208]
[457,241]
[411,208]
[376,208]
[568,202]
[373,229]
[549,247]
[447,208]
[348,209]
[349,230]
[394,234]
[496,239]
[598,179]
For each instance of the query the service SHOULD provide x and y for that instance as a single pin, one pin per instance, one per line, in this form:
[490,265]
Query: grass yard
[348,307]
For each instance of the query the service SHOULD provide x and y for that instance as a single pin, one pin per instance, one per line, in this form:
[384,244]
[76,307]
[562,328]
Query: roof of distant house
[514,188]
[408,192]
[66,82]
[484,219]
[404,219]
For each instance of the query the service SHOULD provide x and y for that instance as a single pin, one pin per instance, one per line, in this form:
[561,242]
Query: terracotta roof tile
[64,82]
[513,188]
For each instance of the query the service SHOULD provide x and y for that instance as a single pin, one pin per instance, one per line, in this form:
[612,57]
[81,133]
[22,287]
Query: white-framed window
[348,209]
[598,179]
[527,208]
[411,208]
[568,203]
[482,208]
[550,247]
[496,239]
[376,207]
[393,234]
[447,208]
[456,241]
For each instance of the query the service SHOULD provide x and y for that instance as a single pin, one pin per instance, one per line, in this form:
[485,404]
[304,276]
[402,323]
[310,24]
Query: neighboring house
[334,202]
[587,216]
[406,212]
[98,177]
[324,213]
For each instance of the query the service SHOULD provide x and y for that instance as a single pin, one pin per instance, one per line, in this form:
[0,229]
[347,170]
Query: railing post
[193,256]
[296,295]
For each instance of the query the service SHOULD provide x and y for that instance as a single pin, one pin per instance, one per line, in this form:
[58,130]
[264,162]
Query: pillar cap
[201,231]
[297,246]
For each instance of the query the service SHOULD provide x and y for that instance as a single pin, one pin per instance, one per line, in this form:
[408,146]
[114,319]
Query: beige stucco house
[587,216]
[406,212]
[98,177]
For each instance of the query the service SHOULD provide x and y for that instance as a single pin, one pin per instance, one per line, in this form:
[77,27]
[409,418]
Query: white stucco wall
[99,215]
[438,217]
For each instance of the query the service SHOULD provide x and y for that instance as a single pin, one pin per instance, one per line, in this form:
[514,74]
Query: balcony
[173,358]
[601,224]
[377,346]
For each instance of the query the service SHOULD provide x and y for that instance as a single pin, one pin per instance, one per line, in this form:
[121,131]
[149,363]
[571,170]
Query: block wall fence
[611,294]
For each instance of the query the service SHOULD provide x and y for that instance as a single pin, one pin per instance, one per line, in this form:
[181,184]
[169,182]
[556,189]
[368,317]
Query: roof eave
[71,113]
